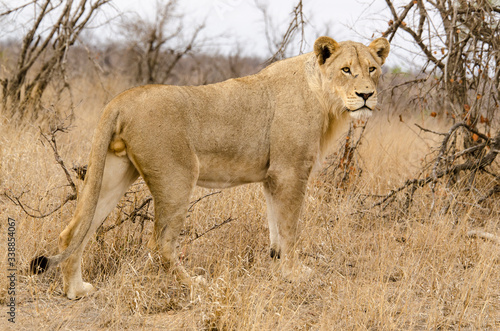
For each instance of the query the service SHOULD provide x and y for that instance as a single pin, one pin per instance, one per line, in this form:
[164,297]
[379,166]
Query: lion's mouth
[361,113]
[365,107]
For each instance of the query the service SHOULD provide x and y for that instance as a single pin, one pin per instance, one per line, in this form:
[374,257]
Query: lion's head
[350,71]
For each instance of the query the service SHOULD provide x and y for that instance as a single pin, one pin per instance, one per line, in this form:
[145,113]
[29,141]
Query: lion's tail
[86,205]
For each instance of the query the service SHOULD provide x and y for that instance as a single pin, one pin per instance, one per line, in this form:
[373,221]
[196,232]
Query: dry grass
[378,269]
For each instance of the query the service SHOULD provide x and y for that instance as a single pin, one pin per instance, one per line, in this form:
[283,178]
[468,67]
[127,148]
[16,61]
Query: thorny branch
[53,144]
[16,200]
[132,216]
[460,42]
[144,206]
[297,23]
[51,140]
[154,59]
[442,168]
[484,235]
[344,163]
[190,209]
[215,226]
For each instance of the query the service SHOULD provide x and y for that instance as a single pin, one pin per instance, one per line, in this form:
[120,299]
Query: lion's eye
[372,69]
[346,70]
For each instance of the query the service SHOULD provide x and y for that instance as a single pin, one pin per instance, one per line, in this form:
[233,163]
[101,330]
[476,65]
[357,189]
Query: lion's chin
[361,114]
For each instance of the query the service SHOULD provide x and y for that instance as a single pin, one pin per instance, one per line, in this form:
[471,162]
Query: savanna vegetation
[400,227]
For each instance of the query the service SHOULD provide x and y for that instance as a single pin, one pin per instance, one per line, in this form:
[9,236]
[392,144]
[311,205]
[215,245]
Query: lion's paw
[200,281]
[80,292]
[296,272]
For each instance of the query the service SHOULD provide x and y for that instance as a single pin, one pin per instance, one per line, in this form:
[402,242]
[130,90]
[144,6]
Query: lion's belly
[226,182]
[218,172]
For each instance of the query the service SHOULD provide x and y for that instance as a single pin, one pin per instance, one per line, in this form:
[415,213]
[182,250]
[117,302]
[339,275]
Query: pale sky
[233,23]
[237,25]
[242,20]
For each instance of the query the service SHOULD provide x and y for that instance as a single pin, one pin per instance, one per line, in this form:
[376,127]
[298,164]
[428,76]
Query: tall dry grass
[374,269]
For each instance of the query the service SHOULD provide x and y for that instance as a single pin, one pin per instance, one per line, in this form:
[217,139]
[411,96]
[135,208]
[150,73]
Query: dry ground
[373,269]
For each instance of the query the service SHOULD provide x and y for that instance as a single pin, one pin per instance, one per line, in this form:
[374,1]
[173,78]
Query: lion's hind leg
[119,174]
[171,192]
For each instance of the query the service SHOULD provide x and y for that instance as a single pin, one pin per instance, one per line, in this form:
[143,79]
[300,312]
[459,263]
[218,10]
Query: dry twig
[279,47]
[442,169]
[215,226]
[50,138]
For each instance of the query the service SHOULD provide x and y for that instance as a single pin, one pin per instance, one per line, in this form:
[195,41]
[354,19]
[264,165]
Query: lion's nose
[365,96]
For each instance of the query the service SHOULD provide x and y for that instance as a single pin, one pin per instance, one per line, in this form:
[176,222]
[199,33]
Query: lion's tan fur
[272,127]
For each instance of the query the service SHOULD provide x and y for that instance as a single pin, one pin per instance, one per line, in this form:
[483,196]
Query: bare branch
[16,9]
[297,23]
[430,131]
[51,140]
[16,200]
[215,226]
[398,19]
[484,235]
[494,190]
[190,209]
[151,42]
[437,173]
[53,144]
[135,213]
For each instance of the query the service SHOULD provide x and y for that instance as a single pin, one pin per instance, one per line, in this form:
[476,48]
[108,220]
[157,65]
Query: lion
[273,127]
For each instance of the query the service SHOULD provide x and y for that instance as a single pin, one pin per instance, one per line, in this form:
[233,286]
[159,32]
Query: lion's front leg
[275,249]
[285,191]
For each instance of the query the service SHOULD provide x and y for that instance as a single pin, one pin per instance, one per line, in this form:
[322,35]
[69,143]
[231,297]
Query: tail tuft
[39,265]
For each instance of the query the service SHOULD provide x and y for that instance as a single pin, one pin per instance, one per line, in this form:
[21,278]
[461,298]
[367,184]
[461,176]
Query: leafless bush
[448,167]
[50,137]
[279,43]
[43,53]
[460,41]
[158,46]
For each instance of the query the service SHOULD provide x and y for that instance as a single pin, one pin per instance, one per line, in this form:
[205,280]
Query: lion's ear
[324,48]
[380,47]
